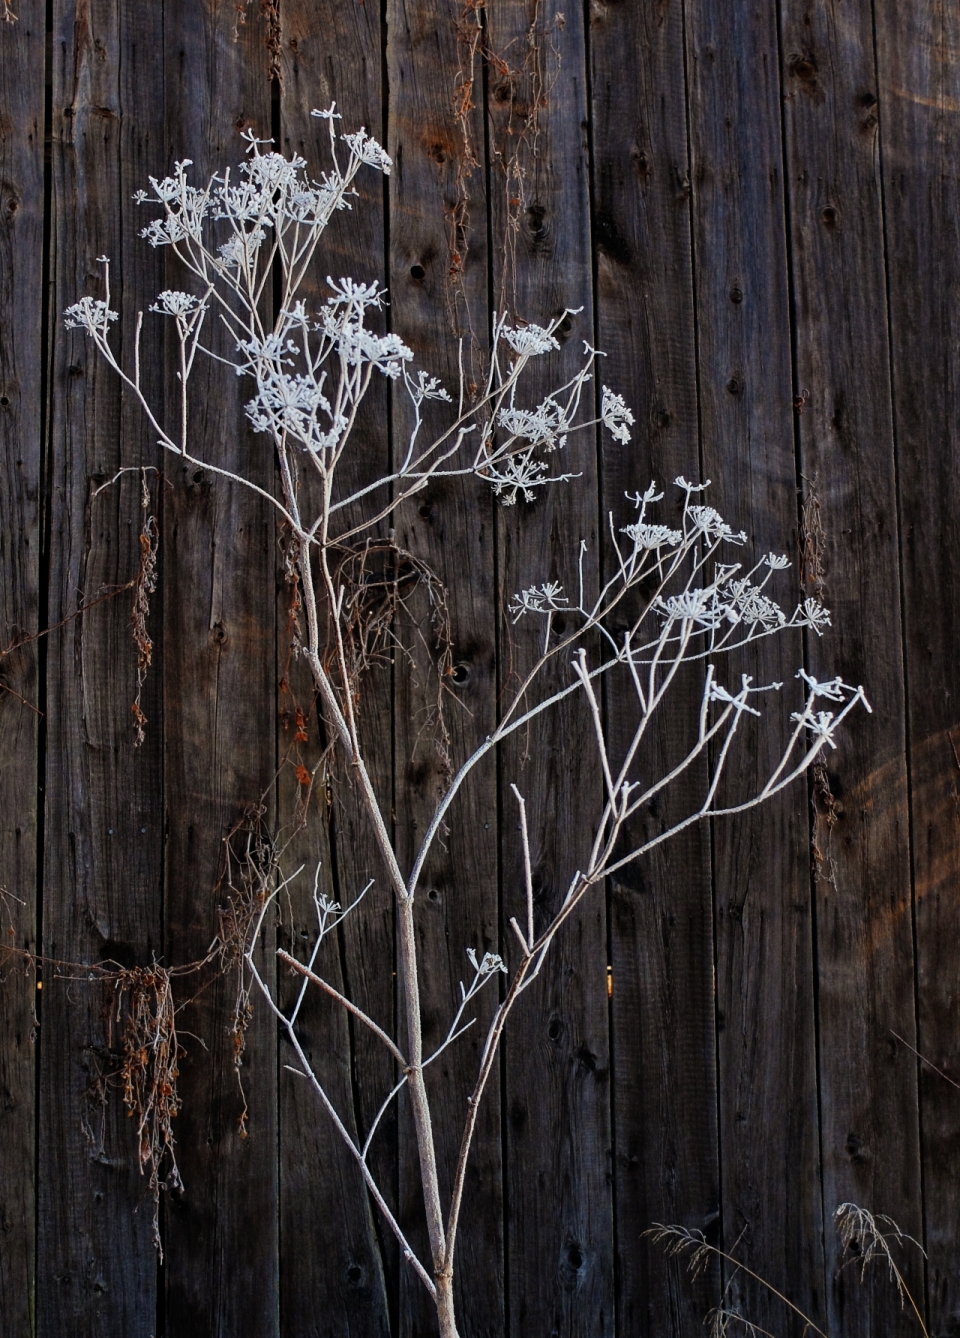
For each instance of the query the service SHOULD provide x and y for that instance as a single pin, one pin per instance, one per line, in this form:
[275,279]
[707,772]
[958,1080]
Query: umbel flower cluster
[673,594]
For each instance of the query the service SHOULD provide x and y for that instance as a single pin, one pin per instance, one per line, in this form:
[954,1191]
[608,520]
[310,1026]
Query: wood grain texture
[103,818]
[774,219]
[765,1004]
[21,427]
[868,1082]
[438,286]
[661,927]
[331,1238]
[556,1051]
[919,93]
[220,741]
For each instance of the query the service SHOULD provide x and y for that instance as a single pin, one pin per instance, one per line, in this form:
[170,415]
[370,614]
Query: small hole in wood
[460,673]
[417,273]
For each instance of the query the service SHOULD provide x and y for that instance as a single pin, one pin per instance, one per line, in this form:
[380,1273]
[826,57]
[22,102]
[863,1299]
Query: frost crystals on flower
[89,314]
[538,599]
[616,416]
[531,341]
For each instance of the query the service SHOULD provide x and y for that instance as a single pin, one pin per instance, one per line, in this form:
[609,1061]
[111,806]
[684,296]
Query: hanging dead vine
[521,77]
[144,584]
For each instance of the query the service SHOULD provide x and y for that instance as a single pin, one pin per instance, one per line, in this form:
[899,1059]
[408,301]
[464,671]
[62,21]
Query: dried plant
[523,74]
[693,1247]
[861,1235]
[140,1059]
[678,601]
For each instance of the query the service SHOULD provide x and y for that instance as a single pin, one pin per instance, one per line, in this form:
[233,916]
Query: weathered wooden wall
[755,205]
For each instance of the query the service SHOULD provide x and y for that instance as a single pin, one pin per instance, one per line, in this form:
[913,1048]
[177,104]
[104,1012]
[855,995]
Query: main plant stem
[423,1125]
[407,942]
[448,1322]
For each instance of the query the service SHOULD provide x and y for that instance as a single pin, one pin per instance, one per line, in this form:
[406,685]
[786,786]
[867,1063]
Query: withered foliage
[521,77]
[144,584]
[246,884]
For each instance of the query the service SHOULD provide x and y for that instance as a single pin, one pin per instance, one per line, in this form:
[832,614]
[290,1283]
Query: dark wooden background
[755,202]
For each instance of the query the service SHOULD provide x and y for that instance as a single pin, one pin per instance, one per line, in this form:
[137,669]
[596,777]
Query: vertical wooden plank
[557,1060]
[767,1075]
[919,94]
[661,930]
[219,690]
[21,408]
[332,1243]
[868,1085]
[438,282]
[103,820]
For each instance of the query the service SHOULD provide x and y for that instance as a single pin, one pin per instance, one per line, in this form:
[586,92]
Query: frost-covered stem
[473,1105]
[312,371]
[426,1146]
[344,1002]
[406,933]
[307,1072]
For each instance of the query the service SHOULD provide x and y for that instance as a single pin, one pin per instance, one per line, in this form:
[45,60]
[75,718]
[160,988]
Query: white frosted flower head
[491,961]
[366,148]
[815,615]
[428,388]
[90,314]
[754,607]
[699,606]
[520,473]
[821,724]
[386,352]
[241,248]
[350,293]
[170,188]
[171,302]
[271,171]
[531,341]
[546,598]
[616,416]
[777,561]
[688,488]
[245,203]
[164,231]
[287,402]
[712,525]
[272,348]
[833,688]
[652,536]
[546,425]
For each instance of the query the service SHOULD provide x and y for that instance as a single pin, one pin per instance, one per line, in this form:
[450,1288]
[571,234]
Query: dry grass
[868,1238]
